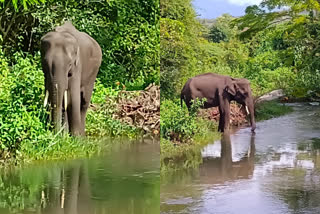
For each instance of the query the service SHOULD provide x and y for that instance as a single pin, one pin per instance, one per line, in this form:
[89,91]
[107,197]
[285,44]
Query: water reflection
[124,181]
[223,168]
[72,193]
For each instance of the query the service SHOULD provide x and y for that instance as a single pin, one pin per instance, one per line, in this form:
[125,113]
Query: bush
[22,115]
[178,124]
[100,122]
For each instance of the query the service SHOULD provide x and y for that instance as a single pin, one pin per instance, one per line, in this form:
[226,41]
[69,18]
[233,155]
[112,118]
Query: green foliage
[17,4]
[180,125]
[180,35]
[217,35]
[221,30]
[268,110]
[100,122]
[22,116]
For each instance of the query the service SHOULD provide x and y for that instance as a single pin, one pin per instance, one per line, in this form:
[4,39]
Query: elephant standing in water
[220,90]
[70,62]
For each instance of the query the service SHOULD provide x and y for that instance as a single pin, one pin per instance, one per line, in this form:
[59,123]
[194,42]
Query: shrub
[180,125]
[22,115]
[100,122]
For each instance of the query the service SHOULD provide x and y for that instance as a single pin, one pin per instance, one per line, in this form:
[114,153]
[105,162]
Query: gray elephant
[70,62]
[219,90]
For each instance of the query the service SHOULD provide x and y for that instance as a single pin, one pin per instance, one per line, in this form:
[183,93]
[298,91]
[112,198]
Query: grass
[176,156]
[64,148]
[268,110]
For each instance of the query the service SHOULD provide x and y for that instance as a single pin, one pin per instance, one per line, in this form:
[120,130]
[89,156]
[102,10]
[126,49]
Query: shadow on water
[125,180]
[277,170]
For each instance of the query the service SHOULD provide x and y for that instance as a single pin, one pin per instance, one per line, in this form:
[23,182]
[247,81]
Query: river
[274,171]
[125,180]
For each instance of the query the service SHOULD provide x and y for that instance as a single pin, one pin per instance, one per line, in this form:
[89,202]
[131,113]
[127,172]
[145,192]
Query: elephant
[70,62]
[220,90]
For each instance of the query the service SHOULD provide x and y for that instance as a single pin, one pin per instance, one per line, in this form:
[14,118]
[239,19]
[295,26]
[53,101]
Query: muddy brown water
[275,171]
[125,180]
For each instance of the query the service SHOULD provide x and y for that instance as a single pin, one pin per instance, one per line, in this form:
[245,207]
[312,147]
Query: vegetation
[268,110]
[180,126]
[128,33]
[183,134]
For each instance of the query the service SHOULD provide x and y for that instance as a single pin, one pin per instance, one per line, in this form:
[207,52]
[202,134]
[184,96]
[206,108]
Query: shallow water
[125,180]
[276,170]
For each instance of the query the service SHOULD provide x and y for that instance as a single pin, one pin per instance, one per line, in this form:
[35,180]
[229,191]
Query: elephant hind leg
[86,93]
[221,122]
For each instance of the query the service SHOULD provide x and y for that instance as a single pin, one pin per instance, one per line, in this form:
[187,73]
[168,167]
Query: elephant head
[240,91]
[60,62]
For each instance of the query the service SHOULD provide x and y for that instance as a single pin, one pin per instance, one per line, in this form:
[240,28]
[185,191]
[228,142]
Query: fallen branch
[141,109]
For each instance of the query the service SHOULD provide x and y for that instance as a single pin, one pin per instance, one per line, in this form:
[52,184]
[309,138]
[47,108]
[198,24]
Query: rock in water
[314,103]
[273,95]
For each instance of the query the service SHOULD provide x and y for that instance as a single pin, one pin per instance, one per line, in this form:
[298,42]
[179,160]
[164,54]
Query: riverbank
[107,118]
[177,155]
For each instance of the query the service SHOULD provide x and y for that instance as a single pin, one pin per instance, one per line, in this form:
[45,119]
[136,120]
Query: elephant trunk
[57,99]
[250,109]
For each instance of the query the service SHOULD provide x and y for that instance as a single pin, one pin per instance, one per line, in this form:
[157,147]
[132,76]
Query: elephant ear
[231,87]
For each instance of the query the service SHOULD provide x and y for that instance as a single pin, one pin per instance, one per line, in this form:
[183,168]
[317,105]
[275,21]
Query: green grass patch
[63,148]
[268,110]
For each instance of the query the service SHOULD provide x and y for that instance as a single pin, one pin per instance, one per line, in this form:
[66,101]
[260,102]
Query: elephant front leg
[74,111]
[227,116]
[224,110]
[221,120]
[74,119]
